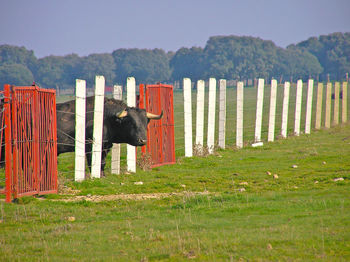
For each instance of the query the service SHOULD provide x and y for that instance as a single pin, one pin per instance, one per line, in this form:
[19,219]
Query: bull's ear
[122,114]
[153,116]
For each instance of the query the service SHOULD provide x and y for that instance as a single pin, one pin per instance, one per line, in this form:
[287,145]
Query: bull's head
[132,127]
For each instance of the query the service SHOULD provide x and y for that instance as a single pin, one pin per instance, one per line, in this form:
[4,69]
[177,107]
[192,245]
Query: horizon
[81,27]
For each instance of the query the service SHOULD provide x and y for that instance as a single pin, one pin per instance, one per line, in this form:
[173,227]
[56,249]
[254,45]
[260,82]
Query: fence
[241,116]
[284,102]
[160,143]
[160,134]
[30,141]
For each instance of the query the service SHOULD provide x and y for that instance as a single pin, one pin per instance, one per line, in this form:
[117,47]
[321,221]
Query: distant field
[224,207]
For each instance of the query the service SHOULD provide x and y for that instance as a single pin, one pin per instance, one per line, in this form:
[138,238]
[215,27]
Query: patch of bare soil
[97,198]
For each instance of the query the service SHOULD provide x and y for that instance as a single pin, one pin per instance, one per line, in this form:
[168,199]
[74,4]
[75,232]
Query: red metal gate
[160,133]
[30,141]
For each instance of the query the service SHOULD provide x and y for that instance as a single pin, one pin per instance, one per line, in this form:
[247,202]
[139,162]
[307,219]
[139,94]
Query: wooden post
[200,113]
[272,116]
[80,105]
[310,90]
[98,127]
[285,109]
[222,113]
[239,128]
[259,109]
[344,102]
[131,101]
[298,107]
[319,105]
[115,162]
[211,115]
[336,103]
[328,105]
[188,117]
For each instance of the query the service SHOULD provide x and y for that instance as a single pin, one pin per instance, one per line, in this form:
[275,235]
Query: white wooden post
[239,128]
[115,162]
[319,105]
[272,117]
[310,90]
[285,109]
[222,113]
[211,115]
[131,101]
[80,91]
[298,107]
[327,123]
[336,103]
[259,109]
[98,127]
[344,102]
[200,113]
[188,117]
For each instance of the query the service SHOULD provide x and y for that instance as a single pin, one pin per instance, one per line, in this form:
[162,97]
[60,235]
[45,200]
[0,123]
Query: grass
[303,215]
[289,218]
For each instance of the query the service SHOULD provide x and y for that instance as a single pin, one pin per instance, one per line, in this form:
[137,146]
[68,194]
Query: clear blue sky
[61,27]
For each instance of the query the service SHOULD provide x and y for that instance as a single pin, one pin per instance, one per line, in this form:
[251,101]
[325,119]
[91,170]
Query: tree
[235,57]
[15,74]
[187,63]
[17,55]
[145,65]
[332,51]
[296,63]
[97,64]
[53,71]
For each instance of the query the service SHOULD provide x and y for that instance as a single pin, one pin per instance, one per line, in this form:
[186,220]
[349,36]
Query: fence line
[298,103]
[200,113]
[222,113]
[239,128]
[336,103]
[310,90]
[188,116]
[80,130]
[115,163]
[344,102]
[328,105]
[131,101]
[319,105]
[259,110]
[230,116]
[285,109]
[302,111]
[98,127]
[272,117]
[211,115]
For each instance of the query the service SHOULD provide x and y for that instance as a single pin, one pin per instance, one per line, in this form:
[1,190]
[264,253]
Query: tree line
[229,57]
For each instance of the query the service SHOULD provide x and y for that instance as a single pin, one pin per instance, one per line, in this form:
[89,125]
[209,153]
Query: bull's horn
[153,116]
[122,114]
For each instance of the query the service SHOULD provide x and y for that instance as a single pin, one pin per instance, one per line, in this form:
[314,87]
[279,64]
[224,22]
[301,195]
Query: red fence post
[8,154]
[14,146]
[30,141]
[160,133]
[142,105]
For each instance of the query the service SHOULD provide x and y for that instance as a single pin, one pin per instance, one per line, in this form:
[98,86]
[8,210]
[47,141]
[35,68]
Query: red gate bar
[31,141]
[8,154]
[160,133]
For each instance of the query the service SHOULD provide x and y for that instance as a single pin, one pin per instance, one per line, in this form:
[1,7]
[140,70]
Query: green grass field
[225,207]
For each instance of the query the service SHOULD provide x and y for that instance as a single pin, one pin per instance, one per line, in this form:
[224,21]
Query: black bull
[121,124]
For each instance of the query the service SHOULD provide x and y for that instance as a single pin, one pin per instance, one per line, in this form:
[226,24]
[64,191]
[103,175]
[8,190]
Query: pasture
[282,201]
